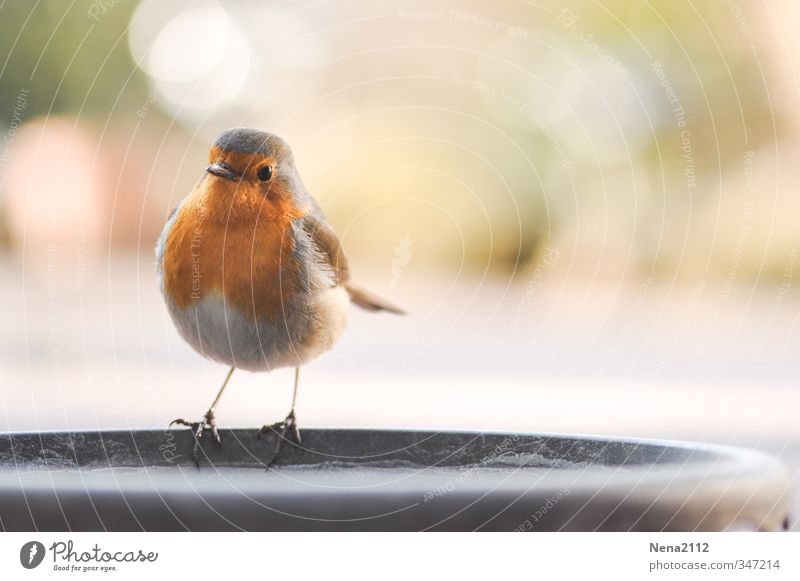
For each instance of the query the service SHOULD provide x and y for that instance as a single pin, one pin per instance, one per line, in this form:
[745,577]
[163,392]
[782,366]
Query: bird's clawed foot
[287,427]
[209,422]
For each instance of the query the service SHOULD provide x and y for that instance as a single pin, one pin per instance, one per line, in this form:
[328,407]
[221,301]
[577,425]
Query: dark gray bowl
[383,480]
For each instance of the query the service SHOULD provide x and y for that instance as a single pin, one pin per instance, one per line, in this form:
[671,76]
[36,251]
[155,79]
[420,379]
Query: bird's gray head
[246,140]
[255,159]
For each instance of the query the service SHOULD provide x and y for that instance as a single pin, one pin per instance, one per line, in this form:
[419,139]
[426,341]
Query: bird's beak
[223,170]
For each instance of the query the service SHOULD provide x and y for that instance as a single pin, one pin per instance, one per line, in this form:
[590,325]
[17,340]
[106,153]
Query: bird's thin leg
[210,417]
[281,429]
[209,422]
[291,418]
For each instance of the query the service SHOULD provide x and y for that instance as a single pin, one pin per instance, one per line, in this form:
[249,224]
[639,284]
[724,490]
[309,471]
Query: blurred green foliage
[68,60]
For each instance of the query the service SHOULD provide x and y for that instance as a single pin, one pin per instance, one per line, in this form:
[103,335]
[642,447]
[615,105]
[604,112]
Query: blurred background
[591,209]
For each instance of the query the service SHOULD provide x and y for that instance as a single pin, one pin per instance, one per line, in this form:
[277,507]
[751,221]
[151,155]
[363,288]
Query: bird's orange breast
[239,246]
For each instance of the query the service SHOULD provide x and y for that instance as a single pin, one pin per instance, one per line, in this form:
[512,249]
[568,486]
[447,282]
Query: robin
[252,273]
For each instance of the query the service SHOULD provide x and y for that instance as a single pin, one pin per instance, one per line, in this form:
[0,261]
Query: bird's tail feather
[366,300]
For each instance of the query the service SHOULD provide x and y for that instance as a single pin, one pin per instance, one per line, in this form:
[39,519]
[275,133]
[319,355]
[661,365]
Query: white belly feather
[297,336]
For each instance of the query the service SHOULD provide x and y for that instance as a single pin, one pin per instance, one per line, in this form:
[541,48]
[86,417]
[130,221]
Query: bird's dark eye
[265,173]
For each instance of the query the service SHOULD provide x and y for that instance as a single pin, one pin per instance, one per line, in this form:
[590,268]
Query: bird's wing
[328,245]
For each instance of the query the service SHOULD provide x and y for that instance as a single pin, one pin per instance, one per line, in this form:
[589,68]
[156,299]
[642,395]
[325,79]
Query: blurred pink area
[76,186]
